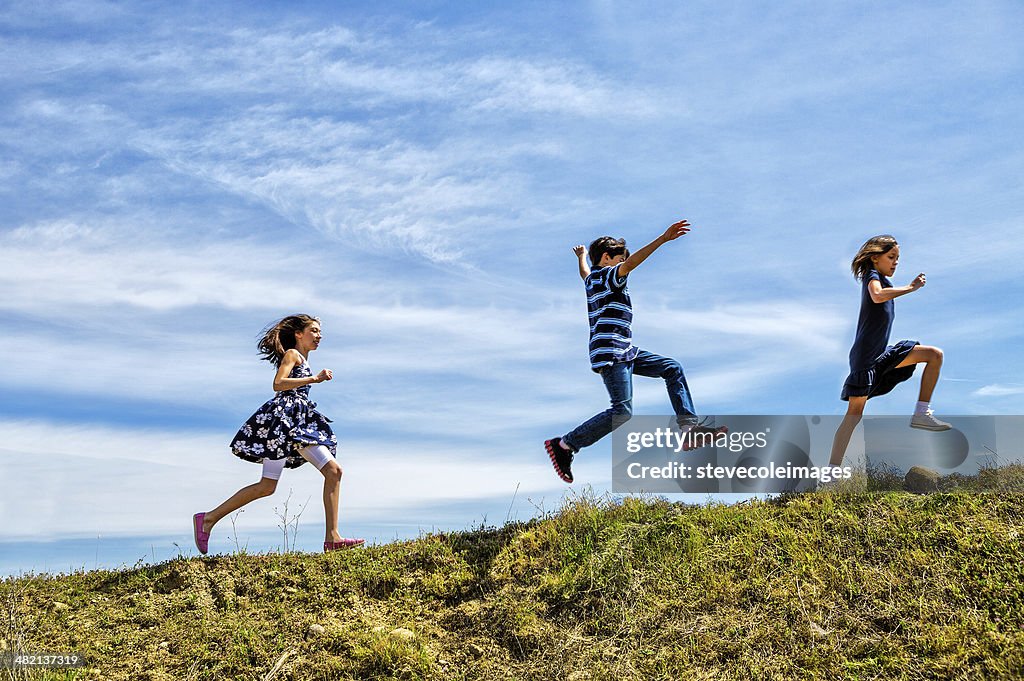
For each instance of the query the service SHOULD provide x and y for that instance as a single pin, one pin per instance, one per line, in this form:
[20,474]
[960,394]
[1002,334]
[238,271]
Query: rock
[475,650]
[316,630]
[403,634]
[921,480]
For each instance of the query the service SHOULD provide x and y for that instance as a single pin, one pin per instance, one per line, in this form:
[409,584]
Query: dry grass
[882,586]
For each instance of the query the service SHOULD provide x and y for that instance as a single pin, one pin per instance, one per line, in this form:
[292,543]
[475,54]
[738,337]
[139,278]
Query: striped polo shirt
[611,313]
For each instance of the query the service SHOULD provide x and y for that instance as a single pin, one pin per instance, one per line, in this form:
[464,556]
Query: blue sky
[174,178]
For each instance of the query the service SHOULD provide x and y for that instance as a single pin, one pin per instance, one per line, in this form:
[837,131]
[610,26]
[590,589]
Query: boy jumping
[612,353]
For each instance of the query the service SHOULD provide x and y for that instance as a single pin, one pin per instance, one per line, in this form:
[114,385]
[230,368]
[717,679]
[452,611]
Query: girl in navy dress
[287,431]
[875,366]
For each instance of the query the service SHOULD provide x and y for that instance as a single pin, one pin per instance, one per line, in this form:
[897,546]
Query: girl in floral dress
[286,431]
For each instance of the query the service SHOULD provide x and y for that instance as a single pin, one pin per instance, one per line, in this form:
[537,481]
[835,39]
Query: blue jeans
[618,379]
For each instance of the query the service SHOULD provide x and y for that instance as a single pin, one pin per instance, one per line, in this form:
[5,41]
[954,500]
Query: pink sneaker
[202,538]
[343,544]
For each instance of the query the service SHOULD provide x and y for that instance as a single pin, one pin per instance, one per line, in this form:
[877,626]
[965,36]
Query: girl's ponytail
[279,337]
[876,245]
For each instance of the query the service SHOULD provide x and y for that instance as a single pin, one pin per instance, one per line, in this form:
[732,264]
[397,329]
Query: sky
[174,178]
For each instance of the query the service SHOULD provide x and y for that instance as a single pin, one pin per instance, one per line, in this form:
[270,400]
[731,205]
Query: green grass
[881,586]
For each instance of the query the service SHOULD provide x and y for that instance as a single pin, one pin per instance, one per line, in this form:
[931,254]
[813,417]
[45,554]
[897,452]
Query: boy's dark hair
[606,244]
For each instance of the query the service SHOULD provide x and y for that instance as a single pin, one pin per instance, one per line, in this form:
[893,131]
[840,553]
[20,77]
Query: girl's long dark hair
[279,337]
[876,245]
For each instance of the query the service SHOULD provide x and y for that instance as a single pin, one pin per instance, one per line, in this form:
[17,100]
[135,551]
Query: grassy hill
[881,586]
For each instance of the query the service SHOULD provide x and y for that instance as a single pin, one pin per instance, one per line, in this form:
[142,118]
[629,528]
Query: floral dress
[285,424]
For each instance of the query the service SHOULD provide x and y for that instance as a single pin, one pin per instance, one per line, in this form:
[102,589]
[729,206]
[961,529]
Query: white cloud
[410,356]
[168,191]
[419,365]
[517,84]
[64,265]
[119,315]
[89,480]
[998,390]
[805,325]
[315,124]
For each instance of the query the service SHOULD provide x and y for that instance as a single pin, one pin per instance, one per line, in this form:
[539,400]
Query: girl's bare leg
[931,357]
[332,493]
[854,411]
[264,488]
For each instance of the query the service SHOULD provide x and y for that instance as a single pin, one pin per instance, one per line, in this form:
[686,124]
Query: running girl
[286,431]
[876,367]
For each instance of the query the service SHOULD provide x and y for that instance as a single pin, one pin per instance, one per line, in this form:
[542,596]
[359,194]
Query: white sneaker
[926,421]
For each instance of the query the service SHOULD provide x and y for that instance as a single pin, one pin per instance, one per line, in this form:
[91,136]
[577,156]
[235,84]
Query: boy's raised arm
[581,255]
[671,234]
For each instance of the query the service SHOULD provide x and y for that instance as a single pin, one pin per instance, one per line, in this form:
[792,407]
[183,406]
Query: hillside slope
[890,586]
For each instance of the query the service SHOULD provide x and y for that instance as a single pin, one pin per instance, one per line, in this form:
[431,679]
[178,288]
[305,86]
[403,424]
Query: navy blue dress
[873,362]
[285,424]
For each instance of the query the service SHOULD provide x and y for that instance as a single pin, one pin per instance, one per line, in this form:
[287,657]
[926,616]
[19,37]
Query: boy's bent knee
[673,369]
[622,411]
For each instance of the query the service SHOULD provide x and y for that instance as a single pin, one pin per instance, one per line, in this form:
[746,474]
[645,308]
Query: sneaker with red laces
[561,458]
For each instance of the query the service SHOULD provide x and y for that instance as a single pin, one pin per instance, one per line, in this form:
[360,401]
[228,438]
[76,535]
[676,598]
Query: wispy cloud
[999,390]
[150,482]
[58,267]
[174,179]
[298,120]
[83,276]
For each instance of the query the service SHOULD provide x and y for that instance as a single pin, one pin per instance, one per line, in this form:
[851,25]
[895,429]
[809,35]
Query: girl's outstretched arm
[880,295]
[288,362]
[581,255]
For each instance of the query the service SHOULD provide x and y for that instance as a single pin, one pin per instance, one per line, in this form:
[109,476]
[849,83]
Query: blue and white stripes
[611,314]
